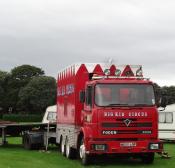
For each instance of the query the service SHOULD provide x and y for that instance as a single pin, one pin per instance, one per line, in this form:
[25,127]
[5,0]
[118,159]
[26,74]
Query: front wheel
[85,159]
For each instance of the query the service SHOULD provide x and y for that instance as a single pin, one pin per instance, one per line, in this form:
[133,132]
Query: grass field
[14,156]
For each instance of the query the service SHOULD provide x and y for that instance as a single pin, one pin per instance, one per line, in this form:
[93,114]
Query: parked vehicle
[33,133]
[106,110]
[50,114]
[167,123]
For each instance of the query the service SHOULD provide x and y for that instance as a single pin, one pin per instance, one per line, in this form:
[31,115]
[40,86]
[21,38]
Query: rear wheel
[30,143]
[27,142]
[63,152]
[85,159]
[70,152]
[148,158]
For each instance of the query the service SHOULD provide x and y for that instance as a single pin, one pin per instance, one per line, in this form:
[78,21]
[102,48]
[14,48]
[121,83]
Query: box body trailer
[105,109]
[167,123]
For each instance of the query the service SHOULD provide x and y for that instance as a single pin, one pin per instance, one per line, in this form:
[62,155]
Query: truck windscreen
[124,95]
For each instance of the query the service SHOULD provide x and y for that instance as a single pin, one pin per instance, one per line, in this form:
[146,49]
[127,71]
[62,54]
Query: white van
[50,114]
[167,123]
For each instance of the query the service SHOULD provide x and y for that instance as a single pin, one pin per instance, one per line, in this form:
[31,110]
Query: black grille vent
[122,124]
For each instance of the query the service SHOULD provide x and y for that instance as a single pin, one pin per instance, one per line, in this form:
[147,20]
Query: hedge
[22,118]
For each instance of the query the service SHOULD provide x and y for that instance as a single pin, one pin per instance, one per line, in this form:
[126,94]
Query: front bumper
[114,147]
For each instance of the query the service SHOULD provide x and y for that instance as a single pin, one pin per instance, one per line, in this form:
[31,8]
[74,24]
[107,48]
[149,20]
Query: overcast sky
[52,34]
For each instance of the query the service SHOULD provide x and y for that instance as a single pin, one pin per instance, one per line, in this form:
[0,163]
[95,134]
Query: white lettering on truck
[123,114]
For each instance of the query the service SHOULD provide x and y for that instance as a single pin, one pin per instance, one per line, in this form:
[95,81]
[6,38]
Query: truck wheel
[82,153]
[63,152]
[27,142]
[148,158]
[70,152]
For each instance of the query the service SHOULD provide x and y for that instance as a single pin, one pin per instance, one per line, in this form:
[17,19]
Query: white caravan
[167,123]
[50,114]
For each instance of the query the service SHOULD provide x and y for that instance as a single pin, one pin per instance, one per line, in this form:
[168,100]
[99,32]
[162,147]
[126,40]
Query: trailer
[167,123]
[32,133]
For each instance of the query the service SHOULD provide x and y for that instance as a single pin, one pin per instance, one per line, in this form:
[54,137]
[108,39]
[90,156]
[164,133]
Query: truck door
[88,104]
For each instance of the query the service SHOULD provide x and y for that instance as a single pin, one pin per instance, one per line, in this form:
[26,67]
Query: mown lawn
[14,156]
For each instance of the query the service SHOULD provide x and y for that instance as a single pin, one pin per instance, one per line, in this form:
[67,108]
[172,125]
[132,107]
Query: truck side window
[88,100]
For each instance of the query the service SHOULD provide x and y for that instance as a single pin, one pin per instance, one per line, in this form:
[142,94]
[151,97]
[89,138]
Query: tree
[157,89]
[1,96]
[19,77]
[3,83]
[39,93]
[170,92]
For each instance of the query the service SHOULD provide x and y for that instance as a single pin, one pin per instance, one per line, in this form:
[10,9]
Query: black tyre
[62,147]
[70,152]
[148,158]
[27,142]
[85,159]
[32,140]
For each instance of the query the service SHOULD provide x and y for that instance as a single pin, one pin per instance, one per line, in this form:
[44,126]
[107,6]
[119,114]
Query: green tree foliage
[39,93]
[170,93]
[157,89]
[3,83]
[19,77]
[26,88]
[1,96]
[3,76]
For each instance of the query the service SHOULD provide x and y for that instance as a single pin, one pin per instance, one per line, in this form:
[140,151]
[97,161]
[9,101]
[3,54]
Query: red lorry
[105,109]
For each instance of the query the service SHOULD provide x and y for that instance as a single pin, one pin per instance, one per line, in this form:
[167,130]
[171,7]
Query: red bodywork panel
[69,86]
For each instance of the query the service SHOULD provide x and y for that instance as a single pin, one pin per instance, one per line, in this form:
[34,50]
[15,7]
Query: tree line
[26,89]
[167,91]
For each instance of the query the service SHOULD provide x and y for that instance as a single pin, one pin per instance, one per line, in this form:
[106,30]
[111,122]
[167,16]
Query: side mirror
[163,102]
[82,96]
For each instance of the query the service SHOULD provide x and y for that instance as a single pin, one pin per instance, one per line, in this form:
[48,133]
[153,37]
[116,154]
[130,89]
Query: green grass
[14,156]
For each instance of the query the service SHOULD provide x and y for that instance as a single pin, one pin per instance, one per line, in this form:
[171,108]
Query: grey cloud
[54,34]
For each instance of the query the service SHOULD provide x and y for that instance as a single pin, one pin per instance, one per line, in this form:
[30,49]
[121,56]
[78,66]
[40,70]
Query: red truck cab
[111,111]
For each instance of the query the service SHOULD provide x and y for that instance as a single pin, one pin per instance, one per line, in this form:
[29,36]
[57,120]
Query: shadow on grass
[12,146]
[116,160]
[20,147]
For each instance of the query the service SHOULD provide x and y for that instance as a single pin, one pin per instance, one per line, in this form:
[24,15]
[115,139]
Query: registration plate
[128,144]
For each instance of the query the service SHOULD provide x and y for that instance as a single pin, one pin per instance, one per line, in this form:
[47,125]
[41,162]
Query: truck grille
[127,127]
[131,125]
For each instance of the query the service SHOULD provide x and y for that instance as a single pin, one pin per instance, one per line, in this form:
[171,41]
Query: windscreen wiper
[140,105]
[128,105]
[115,104]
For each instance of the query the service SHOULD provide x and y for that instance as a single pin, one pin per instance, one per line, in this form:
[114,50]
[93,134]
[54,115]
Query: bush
[1,116]
[22,118]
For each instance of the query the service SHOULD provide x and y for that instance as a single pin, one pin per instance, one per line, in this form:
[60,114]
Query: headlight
[154,146]
[117,72]
[99,147]
[107,72]
[139,72]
